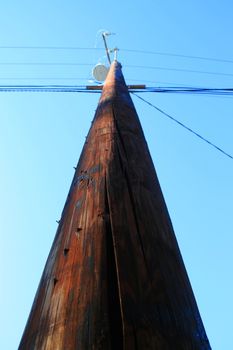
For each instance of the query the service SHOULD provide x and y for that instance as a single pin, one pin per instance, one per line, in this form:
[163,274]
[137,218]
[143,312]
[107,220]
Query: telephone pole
[115,278]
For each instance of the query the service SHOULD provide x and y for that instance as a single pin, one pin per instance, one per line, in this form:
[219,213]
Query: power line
[179,70]
[43,78]
[84,78]
[158,82]
[128,66]
[139,81]
[160,53]
[180,55]
[44,64]
[185,127]
[47,88]
[88,79]
[49,48]
[191,90]
[98,88]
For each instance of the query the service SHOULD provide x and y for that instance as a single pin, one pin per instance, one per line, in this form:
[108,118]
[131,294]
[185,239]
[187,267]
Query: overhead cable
[46,88]
[179,70]
[132,88]
[185,127]
[49,48]
[160,53]
[127,66]
[191,90]
[44,64]
[179,55]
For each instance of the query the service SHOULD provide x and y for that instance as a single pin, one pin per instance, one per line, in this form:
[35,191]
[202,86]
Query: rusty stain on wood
[114,278]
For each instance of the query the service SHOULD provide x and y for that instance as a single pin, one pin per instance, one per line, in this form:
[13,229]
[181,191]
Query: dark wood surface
[114,278]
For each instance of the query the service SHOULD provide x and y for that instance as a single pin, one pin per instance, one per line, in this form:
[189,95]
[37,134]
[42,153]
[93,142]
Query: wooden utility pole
[114,278]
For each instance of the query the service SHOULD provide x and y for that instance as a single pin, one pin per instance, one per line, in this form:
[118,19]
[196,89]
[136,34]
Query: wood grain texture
[114,278]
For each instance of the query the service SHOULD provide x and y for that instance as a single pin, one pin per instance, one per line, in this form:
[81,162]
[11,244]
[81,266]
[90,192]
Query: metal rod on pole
[106,46]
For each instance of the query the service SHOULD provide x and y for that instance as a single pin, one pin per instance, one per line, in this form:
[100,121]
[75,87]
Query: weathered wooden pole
[115,278]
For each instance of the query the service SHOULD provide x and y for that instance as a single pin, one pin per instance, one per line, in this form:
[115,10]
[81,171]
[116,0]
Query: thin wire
[78,78]
[88,78]
[123,50]
[128,66]
[179,70]
[44,78]
[157,82]
[44,64]
[185,127]
[49,48]
[85,88]
[191,90]
[179,55]
[46,88]
[139,81]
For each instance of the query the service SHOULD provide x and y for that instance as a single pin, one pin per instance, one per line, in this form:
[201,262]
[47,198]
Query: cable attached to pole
[185,127]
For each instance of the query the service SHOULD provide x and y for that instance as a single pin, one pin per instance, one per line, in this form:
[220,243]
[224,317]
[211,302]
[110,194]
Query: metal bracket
[104,35]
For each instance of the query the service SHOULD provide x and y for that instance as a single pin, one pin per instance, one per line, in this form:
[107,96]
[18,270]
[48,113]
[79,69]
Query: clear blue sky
[41,137]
